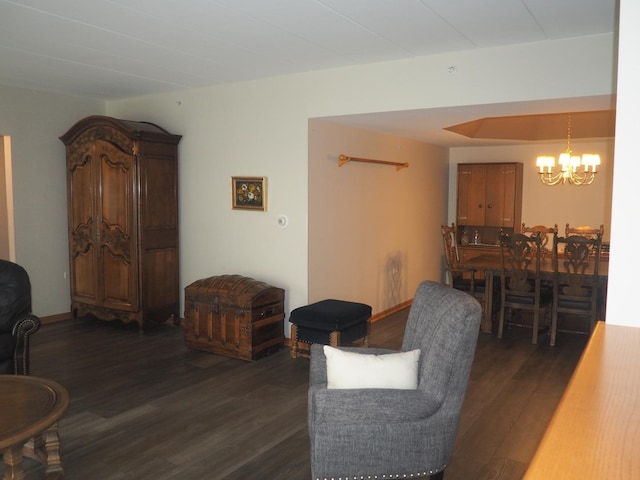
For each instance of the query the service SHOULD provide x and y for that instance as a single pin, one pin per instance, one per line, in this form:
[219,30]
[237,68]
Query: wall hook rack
[342,159]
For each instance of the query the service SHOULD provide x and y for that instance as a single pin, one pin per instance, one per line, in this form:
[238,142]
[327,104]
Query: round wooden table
[29,411]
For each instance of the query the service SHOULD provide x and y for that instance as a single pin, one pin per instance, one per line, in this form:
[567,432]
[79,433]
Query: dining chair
[546,235]
[576,260]
[457,276]
[520,281]
[584,231]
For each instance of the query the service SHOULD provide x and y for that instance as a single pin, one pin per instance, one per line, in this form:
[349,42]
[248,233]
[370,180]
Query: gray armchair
[384,433]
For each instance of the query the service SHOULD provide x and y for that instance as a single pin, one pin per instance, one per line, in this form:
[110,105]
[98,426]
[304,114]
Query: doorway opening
[7,229]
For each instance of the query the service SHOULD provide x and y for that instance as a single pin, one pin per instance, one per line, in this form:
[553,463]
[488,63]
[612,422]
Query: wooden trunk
[122,181]
[234,316]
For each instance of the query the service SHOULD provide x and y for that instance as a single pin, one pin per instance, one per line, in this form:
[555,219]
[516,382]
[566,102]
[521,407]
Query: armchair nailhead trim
[385,476]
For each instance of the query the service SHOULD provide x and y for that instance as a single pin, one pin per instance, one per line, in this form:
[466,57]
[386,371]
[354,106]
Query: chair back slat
[584,231]
[449,238]
[519,262]
[546,234]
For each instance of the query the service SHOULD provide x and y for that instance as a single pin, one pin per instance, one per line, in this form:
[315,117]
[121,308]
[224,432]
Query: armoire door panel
[158,184]
[160,265]
[81,208]
[154,238]
[83,280]
[119,289]
[83,245]
[116,185]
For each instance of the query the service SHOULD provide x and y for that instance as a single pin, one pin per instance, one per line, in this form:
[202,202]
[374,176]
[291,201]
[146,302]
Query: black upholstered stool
[329,322]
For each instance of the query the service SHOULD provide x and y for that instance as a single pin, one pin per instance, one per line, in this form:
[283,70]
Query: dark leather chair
[17,323]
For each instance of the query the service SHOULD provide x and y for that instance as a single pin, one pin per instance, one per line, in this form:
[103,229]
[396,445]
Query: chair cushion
[546,295]
[348,369]
[575,303]
[330,315]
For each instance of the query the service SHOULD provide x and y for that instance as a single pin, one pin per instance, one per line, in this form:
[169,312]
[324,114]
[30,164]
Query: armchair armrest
[23,328]
[370,406]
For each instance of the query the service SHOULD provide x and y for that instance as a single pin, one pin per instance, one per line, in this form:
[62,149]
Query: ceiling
[113,49]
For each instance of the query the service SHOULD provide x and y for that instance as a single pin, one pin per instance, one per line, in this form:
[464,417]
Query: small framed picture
[249,193]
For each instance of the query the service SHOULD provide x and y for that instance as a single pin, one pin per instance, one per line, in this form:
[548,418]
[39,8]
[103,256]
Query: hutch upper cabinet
[489,199]
[122,191]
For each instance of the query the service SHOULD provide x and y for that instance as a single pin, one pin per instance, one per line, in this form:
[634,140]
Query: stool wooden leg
[294,341]
[366,338]
[334,338]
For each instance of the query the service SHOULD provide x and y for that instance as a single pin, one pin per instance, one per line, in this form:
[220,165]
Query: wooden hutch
[489,199]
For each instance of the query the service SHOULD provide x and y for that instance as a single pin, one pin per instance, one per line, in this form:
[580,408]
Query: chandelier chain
[569,134]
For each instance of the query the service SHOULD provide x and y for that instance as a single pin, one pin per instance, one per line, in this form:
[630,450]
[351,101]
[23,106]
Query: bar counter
[595,431]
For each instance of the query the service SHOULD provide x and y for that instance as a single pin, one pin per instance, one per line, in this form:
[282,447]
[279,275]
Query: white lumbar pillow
[361,370]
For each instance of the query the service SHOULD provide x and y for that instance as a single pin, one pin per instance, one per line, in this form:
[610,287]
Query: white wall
[543,204]
[260,128]
[374,231]
[625,261]
[34,121]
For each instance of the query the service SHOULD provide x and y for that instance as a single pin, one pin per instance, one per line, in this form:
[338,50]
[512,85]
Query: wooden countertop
[595,431]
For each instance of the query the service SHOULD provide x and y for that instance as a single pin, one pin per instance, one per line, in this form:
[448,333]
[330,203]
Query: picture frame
[249,193]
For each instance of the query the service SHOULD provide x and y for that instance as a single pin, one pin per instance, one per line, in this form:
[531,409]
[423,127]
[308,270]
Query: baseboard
[55,318]
[391,311]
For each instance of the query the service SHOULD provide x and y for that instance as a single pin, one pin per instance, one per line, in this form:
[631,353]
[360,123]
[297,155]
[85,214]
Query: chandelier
[574,169]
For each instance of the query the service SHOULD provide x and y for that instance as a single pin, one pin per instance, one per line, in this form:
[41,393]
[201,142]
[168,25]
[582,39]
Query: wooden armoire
[122,194]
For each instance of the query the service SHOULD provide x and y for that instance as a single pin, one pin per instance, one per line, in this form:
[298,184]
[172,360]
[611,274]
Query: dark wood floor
[146,408]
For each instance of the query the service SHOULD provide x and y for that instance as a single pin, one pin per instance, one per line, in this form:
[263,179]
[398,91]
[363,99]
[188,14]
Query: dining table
[490,265]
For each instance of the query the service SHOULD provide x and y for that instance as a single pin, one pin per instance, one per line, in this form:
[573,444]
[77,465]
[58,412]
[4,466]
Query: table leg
[488,302]
[53,464]
[46,449]
[12,457]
